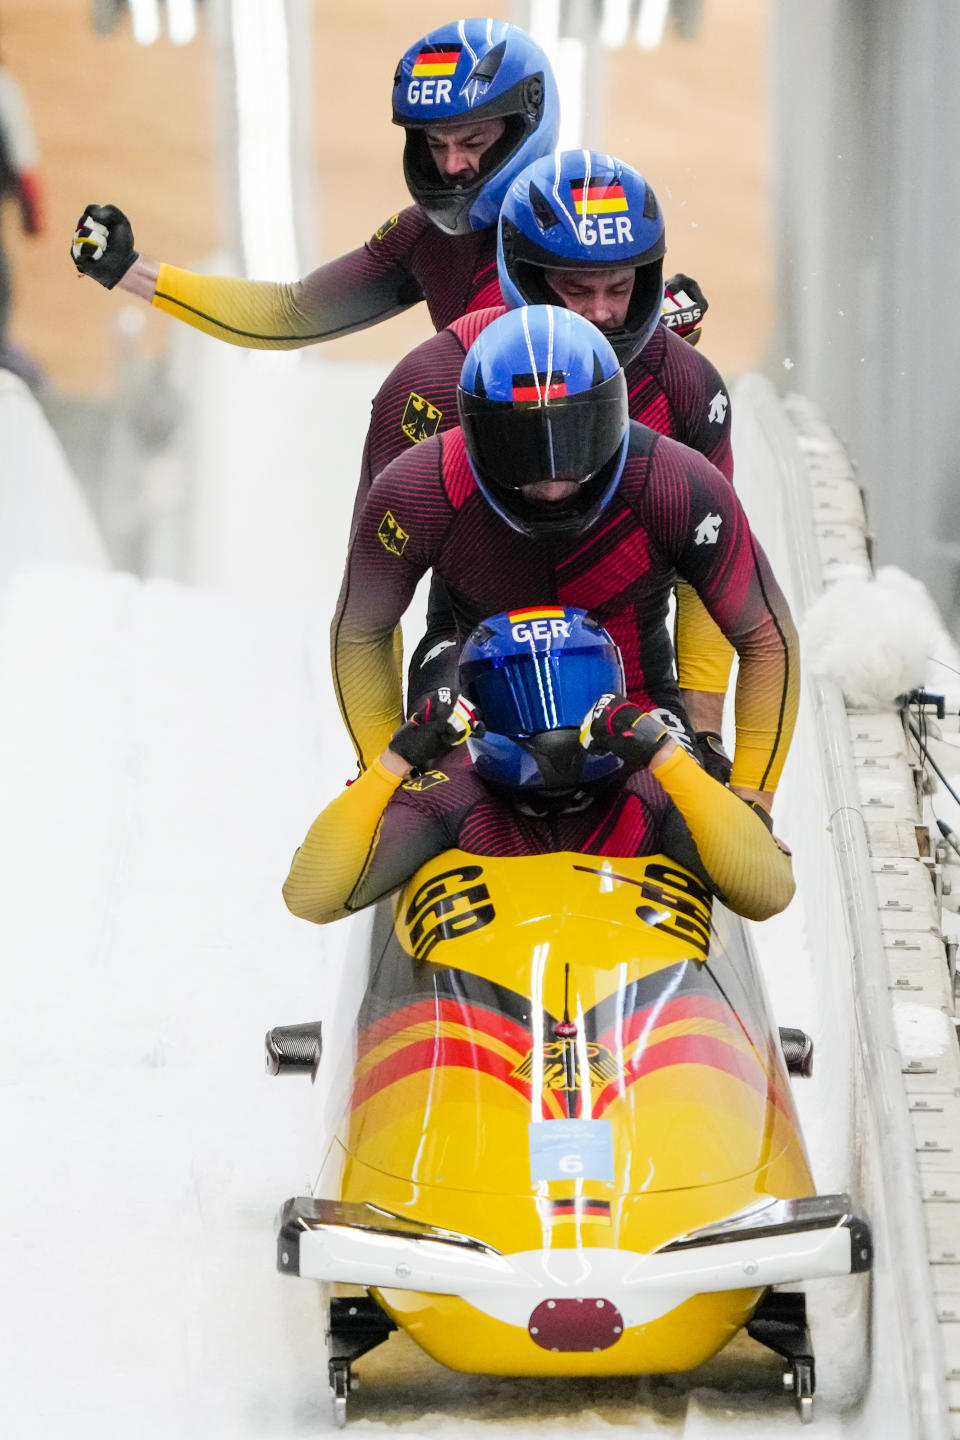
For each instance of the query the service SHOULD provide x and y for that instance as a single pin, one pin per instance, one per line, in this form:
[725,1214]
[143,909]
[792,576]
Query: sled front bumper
[787,1241]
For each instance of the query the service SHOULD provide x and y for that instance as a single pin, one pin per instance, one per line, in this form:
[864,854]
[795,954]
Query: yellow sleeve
[256,314]
[338,848]
[704,654]
[365,637]
[764,690]
[747,865]
[369,690]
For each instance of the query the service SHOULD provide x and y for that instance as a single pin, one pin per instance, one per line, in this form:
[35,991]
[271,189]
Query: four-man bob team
[565,459]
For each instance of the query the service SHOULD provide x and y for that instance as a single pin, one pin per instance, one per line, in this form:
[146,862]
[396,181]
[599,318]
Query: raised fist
[616,725]
[440,723]
[684,306]
[103,244]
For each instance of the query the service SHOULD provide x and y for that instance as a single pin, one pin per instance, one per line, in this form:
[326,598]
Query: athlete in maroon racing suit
[616,284]
[549,494]
[554,767]
[670,386]
[612,275]
[478,102]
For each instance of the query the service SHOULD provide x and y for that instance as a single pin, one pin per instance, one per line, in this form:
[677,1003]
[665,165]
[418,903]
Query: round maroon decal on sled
[575,1325]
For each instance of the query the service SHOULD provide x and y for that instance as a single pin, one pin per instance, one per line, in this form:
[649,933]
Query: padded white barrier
[44,517]
[888,1366]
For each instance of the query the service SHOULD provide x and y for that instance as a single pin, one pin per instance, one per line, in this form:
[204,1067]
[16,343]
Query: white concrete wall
[44,519]
[865,119]
[880,1341]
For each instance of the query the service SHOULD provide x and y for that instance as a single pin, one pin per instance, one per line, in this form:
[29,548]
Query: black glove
[762,813]
[616,725]
[716,761]
[440,723]
[103,244]
[684,306]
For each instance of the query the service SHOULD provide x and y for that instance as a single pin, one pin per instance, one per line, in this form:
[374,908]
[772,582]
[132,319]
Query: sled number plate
[571,1150]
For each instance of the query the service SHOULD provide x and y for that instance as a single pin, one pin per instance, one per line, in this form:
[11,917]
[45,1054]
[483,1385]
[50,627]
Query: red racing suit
[379,831]
[671,387]
[407,260]
[672,514]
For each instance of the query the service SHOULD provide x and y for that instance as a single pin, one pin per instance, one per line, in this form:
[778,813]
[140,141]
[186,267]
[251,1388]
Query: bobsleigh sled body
[571,1146]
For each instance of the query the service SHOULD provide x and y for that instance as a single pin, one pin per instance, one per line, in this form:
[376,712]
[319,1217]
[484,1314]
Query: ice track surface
[163,748]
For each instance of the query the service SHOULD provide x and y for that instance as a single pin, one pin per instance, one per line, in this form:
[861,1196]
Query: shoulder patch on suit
[391,535]
[420,419]
[426,781]
[386,227]
[718,408]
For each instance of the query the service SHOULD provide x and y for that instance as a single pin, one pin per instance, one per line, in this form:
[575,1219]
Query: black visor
[520,695]
[571,437]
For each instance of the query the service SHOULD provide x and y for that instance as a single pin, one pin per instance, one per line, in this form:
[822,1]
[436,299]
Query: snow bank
[161,753]
[44,518]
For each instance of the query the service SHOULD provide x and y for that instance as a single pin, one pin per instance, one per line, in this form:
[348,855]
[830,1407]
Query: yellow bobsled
[571,1147]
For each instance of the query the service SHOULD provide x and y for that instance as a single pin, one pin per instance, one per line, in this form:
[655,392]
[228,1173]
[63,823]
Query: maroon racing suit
[450,808]
[672,514]
[378,832]
[671,387]
[407,260]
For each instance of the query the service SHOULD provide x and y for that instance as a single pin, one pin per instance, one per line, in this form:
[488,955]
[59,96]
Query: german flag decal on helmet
[539,612]
[598,197]
[538,388]
[436,60]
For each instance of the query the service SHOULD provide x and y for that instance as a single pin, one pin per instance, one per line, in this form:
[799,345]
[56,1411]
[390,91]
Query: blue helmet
[533,674]
[581,210]
[543,397]
[474,70]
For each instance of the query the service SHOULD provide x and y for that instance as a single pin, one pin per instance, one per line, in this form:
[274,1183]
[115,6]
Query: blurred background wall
[143,126]
[804,154]
[866,120]
[114,120]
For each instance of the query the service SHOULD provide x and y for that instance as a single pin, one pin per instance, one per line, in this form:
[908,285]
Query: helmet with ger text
[584,211]
[474,71]
[533,674]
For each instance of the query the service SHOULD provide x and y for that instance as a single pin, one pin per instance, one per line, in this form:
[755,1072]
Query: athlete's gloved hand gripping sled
[531,785]
[437,725]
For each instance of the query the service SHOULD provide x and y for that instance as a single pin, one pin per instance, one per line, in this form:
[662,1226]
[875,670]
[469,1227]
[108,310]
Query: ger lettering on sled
[571,1146]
